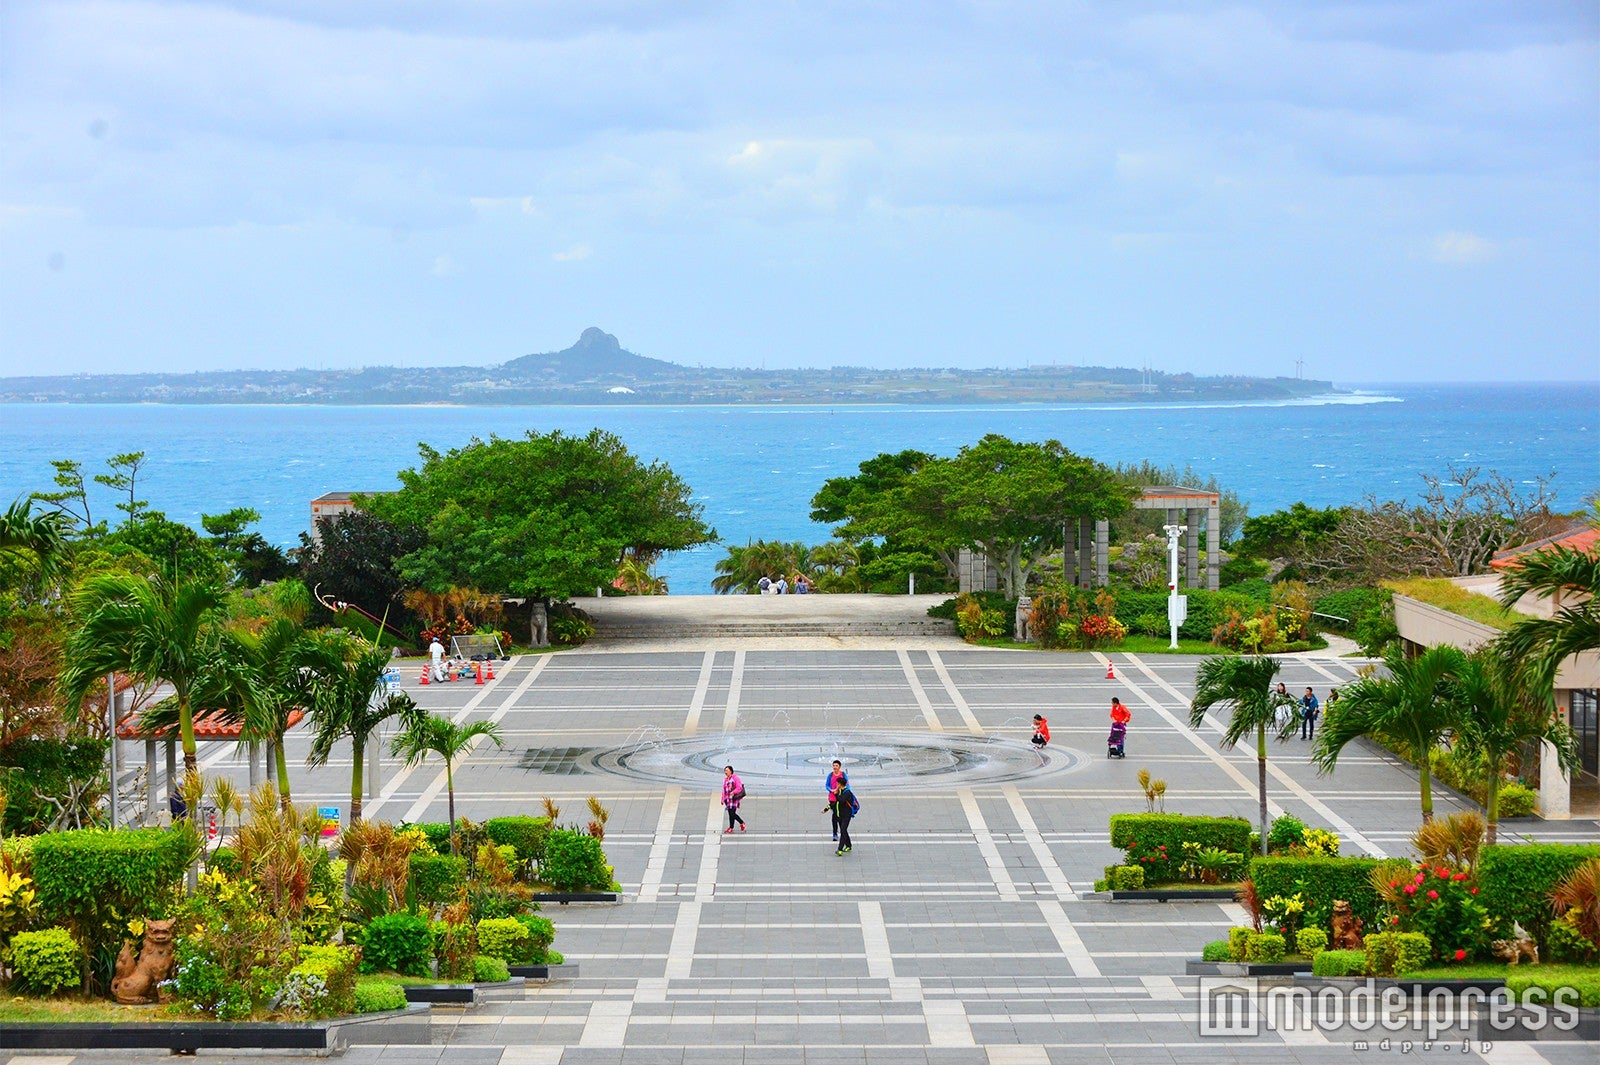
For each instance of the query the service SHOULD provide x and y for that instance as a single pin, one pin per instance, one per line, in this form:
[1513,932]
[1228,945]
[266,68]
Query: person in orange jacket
[1119,712]
[1041,731]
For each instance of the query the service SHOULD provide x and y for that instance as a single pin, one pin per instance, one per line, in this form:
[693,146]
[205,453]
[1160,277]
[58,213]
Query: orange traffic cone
[491,670]
[1111,674]
[479,672]
[424,675]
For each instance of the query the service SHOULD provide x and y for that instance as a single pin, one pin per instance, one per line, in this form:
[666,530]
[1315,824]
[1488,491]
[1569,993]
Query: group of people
[1041,725]
[781,585]
[1306,711]
[448,668]
[842,803]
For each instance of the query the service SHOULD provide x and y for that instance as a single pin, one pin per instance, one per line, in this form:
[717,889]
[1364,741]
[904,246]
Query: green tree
[164,628]
[425,734]
[31,541]
[1570,579]
[354,558]
[743,567]
[1245,685]
[345,703]
[547,515]
[252,559]
[123,479]
[1290,532]
[71,497]
[1410,707]
[1496,716]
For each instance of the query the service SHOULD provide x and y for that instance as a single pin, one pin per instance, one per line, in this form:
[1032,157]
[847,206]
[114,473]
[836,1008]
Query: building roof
[1581,537]
[209,725]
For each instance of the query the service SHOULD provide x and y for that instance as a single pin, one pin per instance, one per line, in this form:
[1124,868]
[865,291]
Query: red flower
[1459,876]
[1461,955]
[1433,894]
[1394,920]
[1394,883]
[1411,889]
[1474,891]
[1444,874]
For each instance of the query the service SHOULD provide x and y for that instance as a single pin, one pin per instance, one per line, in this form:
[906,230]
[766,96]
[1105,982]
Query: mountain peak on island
[597,355]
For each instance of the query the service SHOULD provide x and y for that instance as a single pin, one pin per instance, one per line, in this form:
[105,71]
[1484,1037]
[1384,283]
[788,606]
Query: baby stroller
[1114,742]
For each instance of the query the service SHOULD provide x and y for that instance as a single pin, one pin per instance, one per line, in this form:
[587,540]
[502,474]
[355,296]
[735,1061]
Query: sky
[1377,191]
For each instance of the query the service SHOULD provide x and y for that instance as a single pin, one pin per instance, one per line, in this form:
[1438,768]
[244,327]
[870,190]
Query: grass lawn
[1497,971]
[18,1008]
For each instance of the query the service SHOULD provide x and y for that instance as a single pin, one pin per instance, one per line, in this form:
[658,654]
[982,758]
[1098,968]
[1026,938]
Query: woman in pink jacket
[732,796]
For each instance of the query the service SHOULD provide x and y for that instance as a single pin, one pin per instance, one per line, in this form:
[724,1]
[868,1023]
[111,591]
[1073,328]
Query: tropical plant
[1454,841]
[37,539]
[1570,579]
[345,677]
[1497,716]
[425,734]
[1246,686]
[1578,899]
[165,628]
[1410,708]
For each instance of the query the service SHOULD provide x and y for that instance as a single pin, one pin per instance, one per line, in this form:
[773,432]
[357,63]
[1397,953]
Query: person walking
[436,654]
[1309,709]
[837,778]
[1119,712]
[844,808]
[732,796]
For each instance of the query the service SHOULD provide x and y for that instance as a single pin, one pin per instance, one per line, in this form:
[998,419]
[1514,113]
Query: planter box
[1174,894]
[1414,988]
[463,994]
[1521,1025]
[564,897]
[564,971]
[1246,968]
[407,1026]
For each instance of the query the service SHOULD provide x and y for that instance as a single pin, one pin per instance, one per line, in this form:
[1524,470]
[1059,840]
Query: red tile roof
[208,725]
[1577,538]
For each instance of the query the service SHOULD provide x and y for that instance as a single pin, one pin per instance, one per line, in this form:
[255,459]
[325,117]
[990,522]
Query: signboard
[330,820]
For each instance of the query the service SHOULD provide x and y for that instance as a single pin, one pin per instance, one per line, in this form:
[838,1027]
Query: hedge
[378,996]
[1520,980]
[437,878]
[335,967]
[1143,836]
[1320,881]
[1515,881]
[1339,963]
[45,962]
[527,834]
[1396,953]
[575,862]
[1207,609]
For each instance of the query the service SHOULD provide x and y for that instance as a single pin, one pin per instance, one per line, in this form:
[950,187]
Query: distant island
[597,370]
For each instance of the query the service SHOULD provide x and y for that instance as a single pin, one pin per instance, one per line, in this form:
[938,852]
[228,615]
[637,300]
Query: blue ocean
[755,468]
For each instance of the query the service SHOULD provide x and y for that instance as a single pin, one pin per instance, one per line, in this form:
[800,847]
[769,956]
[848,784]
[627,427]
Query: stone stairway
[705,617]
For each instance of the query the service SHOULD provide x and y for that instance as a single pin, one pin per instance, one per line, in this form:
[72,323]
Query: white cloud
[576,253]
[444,266]
[1458,248]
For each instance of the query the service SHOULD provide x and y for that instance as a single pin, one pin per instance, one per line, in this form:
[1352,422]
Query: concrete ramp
[715,618]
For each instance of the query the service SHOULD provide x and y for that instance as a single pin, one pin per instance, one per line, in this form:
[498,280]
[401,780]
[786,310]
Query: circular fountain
[794,762]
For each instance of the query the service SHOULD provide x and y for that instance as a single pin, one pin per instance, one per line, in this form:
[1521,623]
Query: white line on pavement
[1055,917]
[986,847]
[1041,850]
[655,866]
[917,693]
[698,702]
[955,694]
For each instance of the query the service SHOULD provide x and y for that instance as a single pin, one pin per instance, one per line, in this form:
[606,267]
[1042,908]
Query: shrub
[1264,947]
[1396,953]
[1351,604]
[397,942]
[1155,841]
[1286,831]
[1519,981]
[541,934]
[1320,881]
[1443,904]
[323,984]
[1517,800]
[91,880]
[1515,881]
[574,862]
[995,601]
[487,970]
[505,938]
[437,878]
[1127,878]
[45,962]
[436,833]
[526,834]
[226,859]
[1239,943]
[1339,963]
[379,996]
[1317,842]
[1310,942]
[1216,950]
[1567,944]
[45,769]
[18,904]
[229,949]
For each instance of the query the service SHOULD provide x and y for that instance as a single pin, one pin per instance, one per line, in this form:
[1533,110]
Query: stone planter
[463,994]
[407,1026]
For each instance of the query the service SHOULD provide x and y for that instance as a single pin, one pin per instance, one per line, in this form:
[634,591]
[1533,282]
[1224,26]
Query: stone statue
[1346,927]
[137,983]
[539,623]
[1023,621]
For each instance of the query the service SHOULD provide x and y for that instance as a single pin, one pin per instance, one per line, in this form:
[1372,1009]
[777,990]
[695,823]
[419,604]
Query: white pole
[111,751]
[1173,532]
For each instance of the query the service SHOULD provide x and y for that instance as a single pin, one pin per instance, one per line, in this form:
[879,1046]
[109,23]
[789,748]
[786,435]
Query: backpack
[849,798]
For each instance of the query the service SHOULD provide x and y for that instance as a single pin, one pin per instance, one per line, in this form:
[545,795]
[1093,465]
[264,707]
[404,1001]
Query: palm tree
[344,703]
[1409,707]
[163,628]
[1571,580]
[1496,715]
[1245,684]
[425,734]
[42,535]
[274,658]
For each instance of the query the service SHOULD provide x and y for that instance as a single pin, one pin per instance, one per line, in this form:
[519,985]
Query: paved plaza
[960,931]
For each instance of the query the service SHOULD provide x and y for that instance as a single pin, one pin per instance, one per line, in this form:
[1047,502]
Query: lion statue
[1346,927]
[138,982]
[1519,946]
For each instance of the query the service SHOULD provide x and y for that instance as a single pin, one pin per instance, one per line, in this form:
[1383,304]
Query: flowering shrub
[1441,903]
[975,622]
[1317,842]
[231,950]
[1286,912]
[1076,618]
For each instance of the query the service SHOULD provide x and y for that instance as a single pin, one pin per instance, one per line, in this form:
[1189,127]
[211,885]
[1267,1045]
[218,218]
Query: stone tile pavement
[961,930]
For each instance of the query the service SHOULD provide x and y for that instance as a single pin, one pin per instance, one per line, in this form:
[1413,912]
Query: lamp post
[1177,605]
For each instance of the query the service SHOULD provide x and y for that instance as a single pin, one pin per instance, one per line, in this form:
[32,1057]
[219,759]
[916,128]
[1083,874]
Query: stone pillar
[1102,553]
[152,794]
[1191,548]
[1555,786]
[1213,547]
[974,573]
[1085,576]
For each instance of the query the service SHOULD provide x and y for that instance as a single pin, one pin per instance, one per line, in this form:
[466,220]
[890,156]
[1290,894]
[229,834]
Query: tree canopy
[1006,498]
[545,515]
